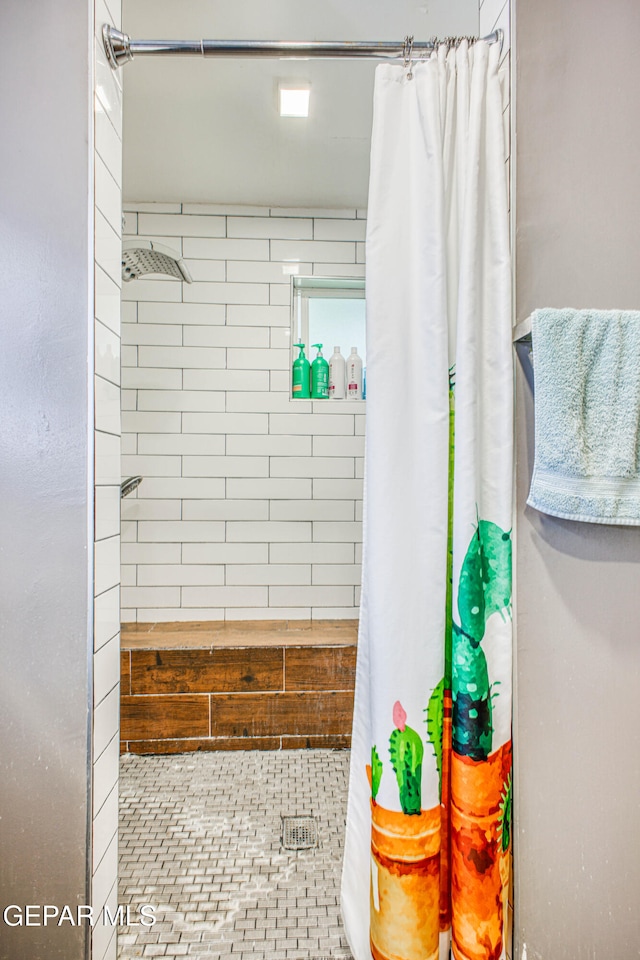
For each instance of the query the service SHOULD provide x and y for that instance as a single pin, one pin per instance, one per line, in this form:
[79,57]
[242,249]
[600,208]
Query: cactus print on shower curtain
[406,752]
[484,588]
[466,895]
[427,848]
[480,807]
[472,859]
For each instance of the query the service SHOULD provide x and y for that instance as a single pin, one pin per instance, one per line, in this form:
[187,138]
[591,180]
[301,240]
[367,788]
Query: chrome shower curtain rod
[120,48]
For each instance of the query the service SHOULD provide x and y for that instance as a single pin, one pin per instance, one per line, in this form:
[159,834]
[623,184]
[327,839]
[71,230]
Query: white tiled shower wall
[106,658]
[251,503]
[494,15]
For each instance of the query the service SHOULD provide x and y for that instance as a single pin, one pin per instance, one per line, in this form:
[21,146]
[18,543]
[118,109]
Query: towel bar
[522,331]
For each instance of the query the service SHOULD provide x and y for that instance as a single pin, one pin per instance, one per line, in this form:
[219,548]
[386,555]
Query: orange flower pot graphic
[479,853]
[445,794]
[452,862]
[405,856]
[405,886]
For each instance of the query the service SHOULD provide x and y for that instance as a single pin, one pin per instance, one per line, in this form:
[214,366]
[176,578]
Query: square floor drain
[299,833]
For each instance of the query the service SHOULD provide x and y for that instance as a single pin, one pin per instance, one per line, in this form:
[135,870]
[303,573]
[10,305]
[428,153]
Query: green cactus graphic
[485,578]
[376,772]
[506,804]
[435,716]
[484,589]
[448,628]
[406,751]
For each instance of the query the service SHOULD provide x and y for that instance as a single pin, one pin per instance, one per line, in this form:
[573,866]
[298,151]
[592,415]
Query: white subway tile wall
[106,634]
[251,503]
[494,15]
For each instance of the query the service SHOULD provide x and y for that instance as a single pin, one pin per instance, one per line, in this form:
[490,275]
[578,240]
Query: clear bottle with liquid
[354,376]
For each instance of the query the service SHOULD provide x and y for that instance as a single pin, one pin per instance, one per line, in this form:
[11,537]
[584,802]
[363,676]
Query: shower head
[128,486]
[140,257]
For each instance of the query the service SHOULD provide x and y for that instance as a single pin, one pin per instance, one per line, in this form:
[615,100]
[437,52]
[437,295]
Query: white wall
[496,15]
[251,503]
[577,598]
[59,806]
[106,657]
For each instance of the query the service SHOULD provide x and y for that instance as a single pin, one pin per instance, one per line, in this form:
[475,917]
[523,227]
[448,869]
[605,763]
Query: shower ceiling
[209,131]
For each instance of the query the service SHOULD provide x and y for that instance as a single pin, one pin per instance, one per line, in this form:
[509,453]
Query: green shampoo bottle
[300,379]
[319,376]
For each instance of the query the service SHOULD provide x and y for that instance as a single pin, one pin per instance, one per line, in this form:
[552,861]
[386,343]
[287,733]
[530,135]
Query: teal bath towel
[587,415]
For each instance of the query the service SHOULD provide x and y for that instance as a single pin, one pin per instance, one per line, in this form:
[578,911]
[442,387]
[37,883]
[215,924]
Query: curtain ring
[406,55]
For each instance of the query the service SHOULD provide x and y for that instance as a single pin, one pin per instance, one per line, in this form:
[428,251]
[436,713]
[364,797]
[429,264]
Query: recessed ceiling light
[294,101]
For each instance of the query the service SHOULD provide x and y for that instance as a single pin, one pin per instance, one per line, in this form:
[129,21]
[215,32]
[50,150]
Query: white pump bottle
[337,375]
[354,376]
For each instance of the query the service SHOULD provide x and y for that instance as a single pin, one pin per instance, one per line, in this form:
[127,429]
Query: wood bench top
[238,633]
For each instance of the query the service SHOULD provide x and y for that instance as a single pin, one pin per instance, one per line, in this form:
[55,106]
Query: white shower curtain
[427,850]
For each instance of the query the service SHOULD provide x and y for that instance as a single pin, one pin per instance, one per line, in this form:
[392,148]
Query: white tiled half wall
[251,502]
[106,658]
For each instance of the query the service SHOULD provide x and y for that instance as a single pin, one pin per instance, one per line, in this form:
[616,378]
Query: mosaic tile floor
[200,839]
